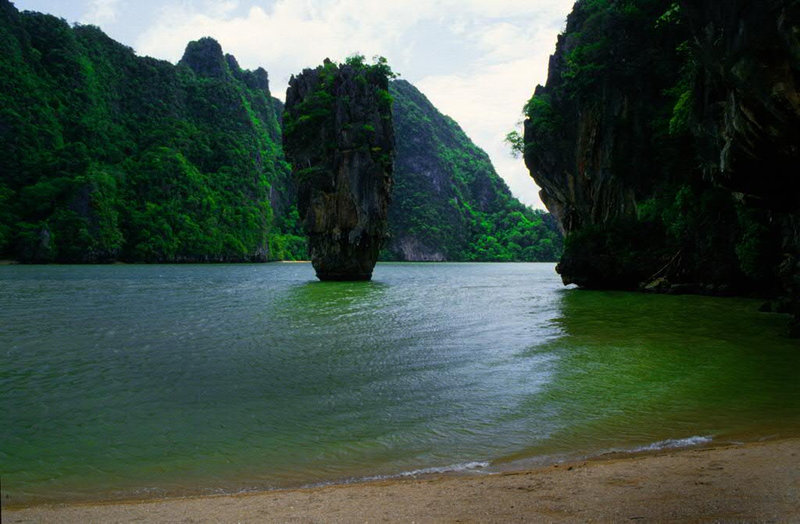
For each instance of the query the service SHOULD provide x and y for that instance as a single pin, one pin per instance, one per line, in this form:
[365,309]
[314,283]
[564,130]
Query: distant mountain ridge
[107,156]
[449,203]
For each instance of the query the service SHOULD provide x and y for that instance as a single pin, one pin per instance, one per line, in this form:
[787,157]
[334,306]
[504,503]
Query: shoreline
[750,481]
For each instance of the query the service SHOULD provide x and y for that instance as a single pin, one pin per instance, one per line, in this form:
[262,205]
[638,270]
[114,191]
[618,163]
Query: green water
[138,381]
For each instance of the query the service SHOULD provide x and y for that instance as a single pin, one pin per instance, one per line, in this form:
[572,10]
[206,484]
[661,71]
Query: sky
[477,61]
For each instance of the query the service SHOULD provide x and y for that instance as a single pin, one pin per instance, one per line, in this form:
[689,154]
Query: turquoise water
[138,381]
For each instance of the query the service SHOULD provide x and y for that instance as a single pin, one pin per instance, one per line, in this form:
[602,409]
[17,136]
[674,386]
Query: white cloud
[487,100]
[218,9]
[288,36]
[477,60]
[101,12]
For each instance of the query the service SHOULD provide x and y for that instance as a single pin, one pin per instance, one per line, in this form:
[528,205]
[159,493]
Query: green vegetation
[448,201]
[108,156]
[618,115]
[313,119]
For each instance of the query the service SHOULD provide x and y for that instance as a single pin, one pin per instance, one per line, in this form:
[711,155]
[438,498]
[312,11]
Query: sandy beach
[749,482]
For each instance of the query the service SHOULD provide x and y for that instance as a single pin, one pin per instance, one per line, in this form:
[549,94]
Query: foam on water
[453,468]
[437,470]
[670,443]
[674,444]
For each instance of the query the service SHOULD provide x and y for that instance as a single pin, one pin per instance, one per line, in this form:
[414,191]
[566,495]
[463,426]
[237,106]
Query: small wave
[440,470]
[674,443]
[454,468]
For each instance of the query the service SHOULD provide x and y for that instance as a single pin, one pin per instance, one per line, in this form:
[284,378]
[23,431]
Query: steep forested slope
[105,155]
[448,202]
[666,143]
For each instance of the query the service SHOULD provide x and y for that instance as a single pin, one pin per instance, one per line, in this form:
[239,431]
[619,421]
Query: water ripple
[122,380]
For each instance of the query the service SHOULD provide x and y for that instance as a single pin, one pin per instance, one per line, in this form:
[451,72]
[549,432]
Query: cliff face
[597,135]
[338,135]
[747,102]
[448,202]
[747,96]
[593,137]
[666,143]
[108,156]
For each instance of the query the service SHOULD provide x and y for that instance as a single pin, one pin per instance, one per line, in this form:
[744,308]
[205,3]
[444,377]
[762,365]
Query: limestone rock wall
[666,142]
[748,104]
[338,136]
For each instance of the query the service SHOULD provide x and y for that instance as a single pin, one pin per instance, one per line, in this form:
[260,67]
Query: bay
[131,381]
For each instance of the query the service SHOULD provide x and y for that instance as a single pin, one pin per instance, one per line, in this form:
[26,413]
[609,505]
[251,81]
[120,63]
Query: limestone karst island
[338,135]
[344,260]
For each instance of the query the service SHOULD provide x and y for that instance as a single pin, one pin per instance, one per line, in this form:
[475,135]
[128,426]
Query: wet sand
[750,482]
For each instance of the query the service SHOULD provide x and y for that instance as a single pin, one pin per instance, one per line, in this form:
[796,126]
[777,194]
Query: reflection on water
[153,380]
[633,369]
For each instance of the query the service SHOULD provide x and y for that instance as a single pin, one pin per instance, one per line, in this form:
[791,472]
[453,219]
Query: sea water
[131,381]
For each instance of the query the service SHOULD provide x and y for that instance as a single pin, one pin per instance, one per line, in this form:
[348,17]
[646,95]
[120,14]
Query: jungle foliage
[448,197]
[105,156]
[108,156]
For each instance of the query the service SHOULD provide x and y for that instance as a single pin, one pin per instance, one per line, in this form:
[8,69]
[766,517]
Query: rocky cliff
[108,156]
[746,101]
[597,139]
[746,96]
[338,135]
[448,201]
[666,141]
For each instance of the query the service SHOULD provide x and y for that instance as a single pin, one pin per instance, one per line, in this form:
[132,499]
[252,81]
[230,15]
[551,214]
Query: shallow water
[130,381]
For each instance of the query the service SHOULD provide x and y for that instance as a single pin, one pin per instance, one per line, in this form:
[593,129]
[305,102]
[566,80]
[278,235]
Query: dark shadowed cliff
[666,143]
[746,105]
[338,135]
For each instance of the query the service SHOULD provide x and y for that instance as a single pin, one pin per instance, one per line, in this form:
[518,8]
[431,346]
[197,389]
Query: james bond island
[338,135]
[630,353]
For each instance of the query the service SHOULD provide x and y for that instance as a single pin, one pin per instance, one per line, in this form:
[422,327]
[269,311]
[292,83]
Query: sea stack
[338,136]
